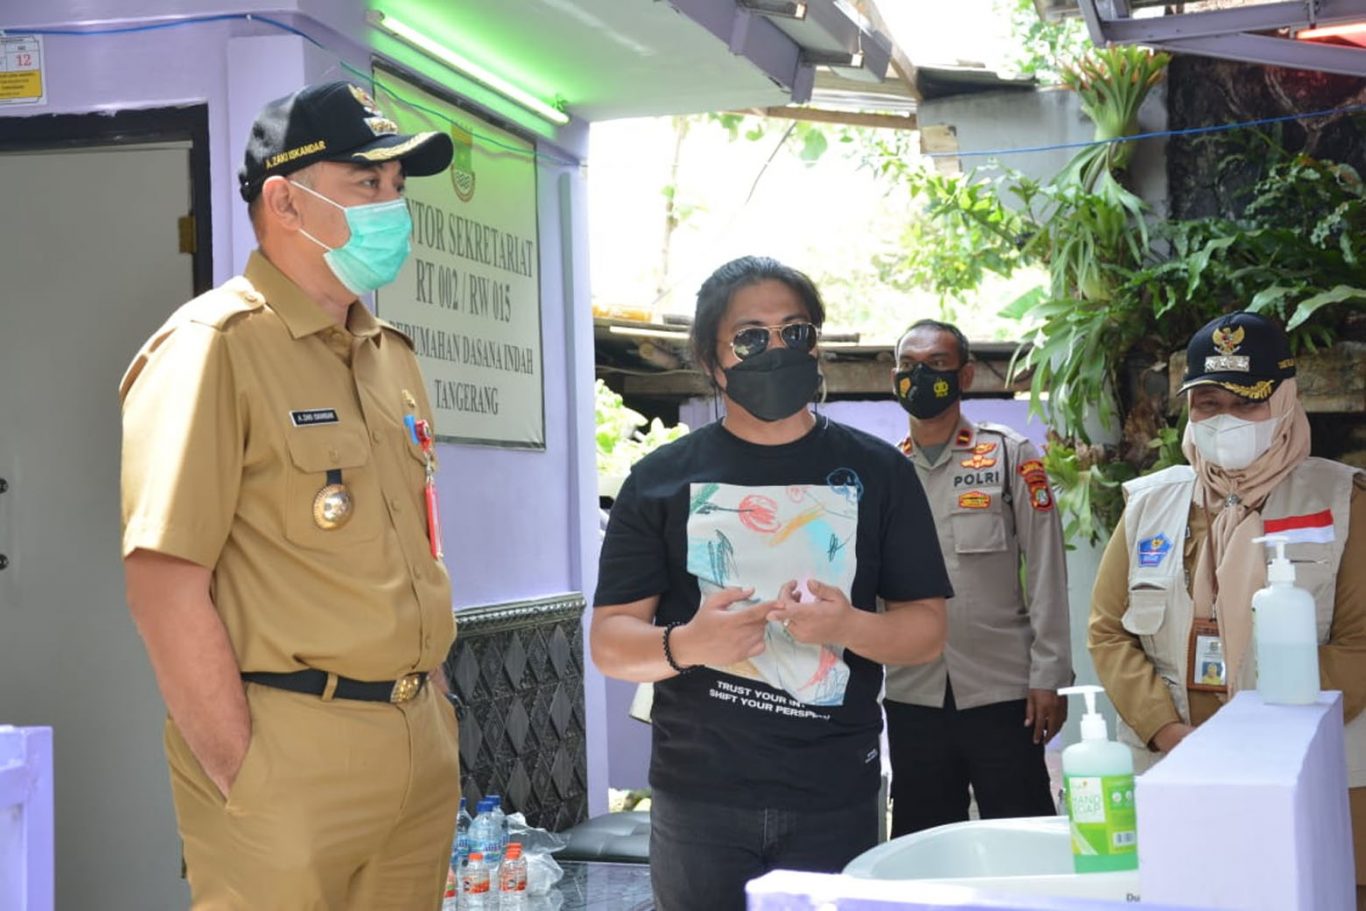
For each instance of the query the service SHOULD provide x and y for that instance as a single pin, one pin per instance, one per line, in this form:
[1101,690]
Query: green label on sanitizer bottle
[1104,825]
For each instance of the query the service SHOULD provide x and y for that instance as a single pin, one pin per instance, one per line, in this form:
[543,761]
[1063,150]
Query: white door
[89,266]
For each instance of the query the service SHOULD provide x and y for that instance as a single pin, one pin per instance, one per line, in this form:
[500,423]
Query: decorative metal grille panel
[518,671]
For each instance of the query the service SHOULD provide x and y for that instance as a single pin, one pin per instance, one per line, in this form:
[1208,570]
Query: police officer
[979,715]
[1176,581]
[279,567]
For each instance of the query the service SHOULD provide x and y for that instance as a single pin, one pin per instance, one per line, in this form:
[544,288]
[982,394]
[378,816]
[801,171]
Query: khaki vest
[1160,608]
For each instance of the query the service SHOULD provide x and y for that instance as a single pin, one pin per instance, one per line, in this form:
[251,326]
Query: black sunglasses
[753,340]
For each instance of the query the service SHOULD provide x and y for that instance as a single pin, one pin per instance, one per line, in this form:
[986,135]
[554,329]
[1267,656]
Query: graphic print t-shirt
[796,727]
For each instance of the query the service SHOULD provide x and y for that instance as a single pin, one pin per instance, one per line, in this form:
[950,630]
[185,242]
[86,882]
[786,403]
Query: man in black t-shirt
[740,572]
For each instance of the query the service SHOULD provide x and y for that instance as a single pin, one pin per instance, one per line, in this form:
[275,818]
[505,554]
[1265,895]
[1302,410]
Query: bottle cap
[1279,569]
[1092,723]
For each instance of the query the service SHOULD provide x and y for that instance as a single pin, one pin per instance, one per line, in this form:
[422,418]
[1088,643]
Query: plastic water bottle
[484,835]
[500,822]
[512,879]
[450,899]
[461,848]
[474,891]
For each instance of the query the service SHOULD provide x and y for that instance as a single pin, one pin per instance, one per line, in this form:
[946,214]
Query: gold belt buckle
[405,688]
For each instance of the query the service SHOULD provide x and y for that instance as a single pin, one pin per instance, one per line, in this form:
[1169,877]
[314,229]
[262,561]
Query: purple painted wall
[885,419]
[499,505]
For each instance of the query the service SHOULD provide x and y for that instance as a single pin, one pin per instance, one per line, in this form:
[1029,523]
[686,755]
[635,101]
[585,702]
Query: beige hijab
[1229,568]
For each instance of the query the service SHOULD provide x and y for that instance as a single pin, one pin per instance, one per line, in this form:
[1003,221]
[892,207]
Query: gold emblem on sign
[332,507]
[1228,340]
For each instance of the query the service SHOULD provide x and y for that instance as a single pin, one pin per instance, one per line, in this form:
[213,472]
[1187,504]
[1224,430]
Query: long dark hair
[715,294]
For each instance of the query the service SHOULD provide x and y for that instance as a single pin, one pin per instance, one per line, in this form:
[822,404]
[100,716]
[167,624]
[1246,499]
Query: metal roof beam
[1263,49]
[1261,18]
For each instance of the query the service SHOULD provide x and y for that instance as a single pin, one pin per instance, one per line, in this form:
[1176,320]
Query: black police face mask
[925,392]
[775,384]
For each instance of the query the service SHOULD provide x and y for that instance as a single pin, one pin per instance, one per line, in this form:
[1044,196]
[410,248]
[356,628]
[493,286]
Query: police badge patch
[1036,479]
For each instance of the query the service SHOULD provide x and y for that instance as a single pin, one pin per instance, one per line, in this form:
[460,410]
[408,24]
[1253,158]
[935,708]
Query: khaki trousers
[339,805]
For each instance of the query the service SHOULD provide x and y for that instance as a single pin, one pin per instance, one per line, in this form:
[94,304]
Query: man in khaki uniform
[277,551]
[978,716]
[1177,578]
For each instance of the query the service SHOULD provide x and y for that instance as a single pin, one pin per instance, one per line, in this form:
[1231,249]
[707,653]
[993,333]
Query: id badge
[1207,671]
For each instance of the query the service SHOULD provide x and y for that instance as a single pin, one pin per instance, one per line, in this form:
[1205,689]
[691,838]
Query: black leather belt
[314,683]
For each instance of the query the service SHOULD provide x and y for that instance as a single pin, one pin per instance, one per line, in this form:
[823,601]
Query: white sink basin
[1032,856]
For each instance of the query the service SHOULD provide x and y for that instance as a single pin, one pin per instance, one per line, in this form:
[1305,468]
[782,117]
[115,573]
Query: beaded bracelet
[669,655]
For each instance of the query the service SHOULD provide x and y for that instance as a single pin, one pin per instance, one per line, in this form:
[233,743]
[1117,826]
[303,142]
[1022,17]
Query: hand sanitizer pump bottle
[1286,637]
[1098,775]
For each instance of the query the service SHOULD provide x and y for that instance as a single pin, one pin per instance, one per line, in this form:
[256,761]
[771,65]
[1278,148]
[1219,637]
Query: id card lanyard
[1206,665]
[420,432]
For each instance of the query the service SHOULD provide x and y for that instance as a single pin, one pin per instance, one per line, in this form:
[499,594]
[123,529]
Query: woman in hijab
[1174,589]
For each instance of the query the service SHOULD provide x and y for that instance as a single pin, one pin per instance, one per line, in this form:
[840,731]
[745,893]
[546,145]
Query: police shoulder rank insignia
[974,499]
[964,437]
[1036,479]
[1152,550]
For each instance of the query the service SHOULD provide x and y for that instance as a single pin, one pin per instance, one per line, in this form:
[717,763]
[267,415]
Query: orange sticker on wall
[974,499]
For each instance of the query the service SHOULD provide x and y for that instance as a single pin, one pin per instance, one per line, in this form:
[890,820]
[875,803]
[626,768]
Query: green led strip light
[411,36]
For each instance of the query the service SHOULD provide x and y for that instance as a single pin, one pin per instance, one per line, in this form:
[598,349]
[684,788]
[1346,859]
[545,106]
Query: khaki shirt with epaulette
[236,413]
[999,531]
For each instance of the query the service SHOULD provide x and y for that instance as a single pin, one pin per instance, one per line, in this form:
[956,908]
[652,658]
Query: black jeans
[937,753]
[702,854]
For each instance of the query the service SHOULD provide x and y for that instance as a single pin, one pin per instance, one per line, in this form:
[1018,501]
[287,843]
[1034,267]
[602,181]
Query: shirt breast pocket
[352,517]
[978,532]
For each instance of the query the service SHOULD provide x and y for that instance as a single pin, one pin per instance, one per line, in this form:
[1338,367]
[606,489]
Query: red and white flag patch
[1316,528]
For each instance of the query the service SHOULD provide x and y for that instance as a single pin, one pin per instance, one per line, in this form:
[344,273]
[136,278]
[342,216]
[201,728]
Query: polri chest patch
[990,477]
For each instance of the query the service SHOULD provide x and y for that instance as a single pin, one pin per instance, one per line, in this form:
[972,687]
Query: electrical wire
[539,155]
[1155,134]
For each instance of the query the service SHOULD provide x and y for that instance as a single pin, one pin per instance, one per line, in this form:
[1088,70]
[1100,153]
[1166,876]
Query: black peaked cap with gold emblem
[1245,353]
[333,121]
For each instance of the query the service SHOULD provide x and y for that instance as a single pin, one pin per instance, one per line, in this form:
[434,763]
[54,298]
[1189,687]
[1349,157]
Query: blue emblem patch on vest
[1152,550]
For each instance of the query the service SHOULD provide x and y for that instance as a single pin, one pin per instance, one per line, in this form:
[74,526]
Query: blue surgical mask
[380,242]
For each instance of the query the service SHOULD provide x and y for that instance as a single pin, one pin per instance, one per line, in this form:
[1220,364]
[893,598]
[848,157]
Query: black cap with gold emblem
[1245,353]
[334,121]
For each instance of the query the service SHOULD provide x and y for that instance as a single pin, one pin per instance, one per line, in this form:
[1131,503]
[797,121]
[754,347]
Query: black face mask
[926,392]
[774,384]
